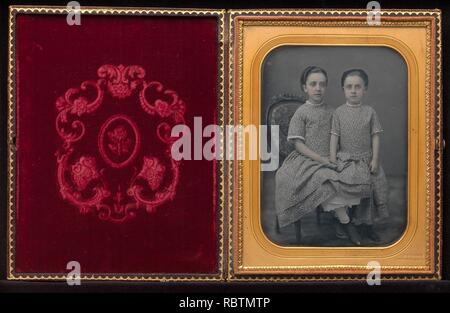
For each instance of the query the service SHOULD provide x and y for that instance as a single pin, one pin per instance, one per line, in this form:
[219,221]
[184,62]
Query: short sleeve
[335,125]
[375,125]
[297,126]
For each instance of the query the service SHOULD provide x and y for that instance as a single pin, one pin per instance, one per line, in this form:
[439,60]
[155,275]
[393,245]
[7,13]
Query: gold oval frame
[299,40]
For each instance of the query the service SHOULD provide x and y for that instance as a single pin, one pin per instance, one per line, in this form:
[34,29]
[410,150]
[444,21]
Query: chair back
[280,112]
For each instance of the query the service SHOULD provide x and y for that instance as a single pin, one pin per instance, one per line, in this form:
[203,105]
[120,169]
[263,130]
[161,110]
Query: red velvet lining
[181,236]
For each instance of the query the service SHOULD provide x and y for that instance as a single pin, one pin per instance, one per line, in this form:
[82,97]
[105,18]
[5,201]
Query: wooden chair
[280,112]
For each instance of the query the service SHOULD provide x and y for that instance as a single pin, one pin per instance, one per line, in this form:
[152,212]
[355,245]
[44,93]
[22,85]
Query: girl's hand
[329,163]
[374,166]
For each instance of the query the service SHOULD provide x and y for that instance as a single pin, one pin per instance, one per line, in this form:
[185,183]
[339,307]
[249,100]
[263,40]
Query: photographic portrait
[283,92]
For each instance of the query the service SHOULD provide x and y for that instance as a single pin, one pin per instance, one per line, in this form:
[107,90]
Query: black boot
[370,233]
[353,233]
[341,232]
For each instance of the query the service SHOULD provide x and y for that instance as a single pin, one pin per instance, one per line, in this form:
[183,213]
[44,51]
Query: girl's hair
[310,70]
[355,72]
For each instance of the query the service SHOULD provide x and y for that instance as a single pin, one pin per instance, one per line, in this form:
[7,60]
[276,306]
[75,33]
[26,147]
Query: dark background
[259,288]
[387,93]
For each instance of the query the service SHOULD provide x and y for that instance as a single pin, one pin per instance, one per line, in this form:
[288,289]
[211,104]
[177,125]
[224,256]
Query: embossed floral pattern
[119,141]
[79,106]
[84,171]
[153,172]
[82,180]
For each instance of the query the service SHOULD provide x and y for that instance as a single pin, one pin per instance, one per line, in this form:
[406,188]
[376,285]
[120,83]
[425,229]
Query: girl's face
[316,83]
[354,89]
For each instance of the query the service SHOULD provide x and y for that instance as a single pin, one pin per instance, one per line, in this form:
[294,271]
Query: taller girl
[307,178]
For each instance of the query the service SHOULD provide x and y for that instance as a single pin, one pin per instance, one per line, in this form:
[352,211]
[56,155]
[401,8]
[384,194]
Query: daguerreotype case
[212,145]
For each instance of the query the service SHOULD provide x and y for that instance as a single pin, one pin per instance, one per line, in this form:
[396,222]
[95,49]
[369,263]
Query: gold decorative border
[11,153]
[291,17]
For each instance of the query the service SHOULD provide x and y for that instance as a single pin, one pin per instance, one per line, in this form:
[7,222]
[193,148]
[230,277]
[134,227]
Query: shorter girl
[356,130]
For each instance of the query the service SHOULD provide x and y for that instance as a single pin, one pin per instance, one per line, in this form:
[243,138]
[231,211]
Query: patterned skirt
[303,184]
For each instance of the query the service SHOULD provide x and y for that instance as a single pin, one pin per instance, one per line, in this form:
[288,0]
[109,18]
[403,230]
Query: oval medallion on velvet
[119,141]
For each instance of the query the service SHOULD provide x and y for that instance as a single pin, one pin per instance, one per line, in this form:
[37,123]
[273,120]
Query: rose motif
[163,108]
[84,171]
[119,141]
[79,106]
[153,172]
